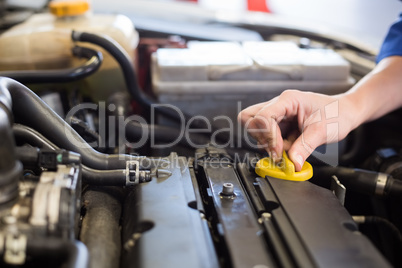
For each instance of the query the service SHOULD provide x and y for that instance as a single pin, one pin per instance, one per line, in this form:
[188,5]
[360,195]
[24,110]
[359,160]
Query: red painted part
[258,5]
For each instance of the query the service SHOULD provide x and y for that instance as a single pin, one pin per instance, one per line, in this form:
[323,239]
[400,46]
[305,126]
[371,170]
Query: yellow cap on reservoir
[284,170]
[68,8]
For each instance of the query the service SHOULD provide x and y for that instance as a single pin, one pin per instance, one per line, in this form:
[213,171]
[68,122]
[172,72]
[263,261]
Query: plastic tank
[44,42]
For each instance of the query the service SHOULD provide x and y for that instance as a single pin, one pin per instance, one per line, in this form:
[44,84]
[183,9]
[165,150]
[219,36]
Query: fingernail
[274,155]
[299,160]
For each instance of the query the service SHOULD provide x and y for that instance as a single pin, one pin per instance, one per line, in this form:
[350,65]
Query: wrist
[351,111]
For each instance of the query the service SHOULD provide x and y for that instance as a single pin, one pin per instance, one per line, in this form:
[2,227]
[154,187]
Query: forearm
[375,95]
[378,93]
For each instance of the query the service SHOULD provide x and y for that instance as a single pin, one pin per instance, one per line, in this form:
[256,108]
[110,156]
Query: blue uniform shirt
[392,45]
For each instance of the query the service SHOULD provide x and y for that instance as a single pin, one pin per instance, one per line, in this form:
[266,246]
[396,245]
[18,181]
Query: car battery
[222,78]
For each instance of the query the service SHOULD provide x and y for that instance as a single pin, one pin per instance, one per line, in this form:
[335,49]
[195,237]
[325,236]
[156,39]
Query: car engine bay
[120,147]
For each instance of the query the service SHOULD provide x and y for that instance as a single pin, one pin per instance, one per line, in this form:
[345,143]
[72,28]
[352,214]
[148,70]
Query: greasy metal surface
[291,239]
[240,228]
[325,227]
[283,239]
[307,224]
[159,227]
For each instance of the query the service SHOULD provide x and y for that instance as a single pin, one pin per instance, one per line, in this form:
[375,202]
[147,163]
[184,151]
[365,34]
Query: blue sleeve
[392,45]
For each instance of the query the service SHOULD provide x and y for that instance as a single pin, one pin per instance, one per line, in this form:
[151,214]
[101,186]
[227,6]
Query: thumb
[304,145]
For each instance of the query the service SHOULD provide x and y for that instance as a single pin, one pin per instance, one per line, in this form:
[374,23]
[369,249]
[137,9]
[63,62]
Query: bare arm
[379,92]
[301,121]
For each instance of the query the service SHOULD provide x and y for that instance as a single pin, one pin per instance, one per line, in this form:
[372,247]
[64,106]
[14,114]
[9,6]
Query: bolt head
[227,188]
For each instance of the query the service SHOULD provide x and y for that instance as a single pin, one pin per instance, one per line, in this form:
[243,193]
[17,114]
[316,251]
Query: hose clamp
[132,172]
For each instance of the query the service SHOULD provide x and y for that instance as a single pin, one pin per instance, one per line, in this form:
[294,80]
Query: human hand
[298,122]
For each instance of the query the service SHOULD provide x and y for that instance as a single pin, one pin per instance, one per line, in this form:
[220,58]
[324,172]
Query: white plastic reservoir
[44,42]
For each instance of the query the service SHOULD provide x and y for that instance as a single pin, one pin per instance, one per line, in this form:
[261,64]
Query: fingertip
[240,117]
[297,160]
[274,156]
[277,145]
[303,146]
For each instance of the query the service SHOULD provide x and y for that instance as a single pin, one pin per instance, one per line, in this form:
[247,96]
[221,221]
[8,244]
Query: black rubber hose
[130,78]
[393,188]
[30,110]
[27,135]
[100,229]
[24,134]
[30,155]
[95,177]
[94,57]
[10,168]
[7,144]
[134,132]
[124,61]
[380,221]
[6,138]
[384,222]
[27,155]
[355,150]
[134,89]
[166,136]
[72,254]
[363,181]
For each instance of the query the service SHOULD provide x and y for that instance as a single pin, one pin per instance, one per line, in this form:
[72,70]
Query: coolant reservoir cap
[68,8]
[284,170]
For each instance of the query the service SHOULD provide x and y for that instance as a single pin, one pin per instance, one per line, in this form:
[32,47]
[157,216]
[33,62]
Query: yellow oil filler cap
[284,170]
[68,8]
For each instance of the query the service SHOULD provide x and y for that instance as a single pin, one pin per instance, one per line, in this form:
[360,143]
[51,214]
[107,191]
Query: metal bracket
[338,189]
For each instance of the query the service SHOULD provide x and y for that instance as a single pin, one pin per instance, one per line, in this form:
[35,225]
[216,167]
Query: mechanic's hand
[298,122]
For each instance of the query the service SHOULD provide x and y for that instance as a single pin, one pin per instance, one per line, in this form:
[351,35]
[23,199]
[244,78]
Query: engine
[119,147]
